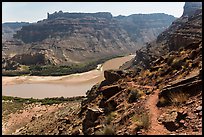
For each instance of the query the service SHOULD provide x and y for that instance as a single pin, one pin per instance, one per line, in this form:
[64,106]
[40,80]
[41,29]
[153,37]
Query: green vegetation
[51,70]
[10,107]
[24,68]
[15,72]
[45,101]
[142,121]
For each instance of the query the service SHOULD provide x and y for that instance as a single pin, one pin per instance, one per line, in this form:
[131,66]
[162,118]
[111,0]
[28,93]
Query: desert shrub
[142,121]
[181,49]
[14,73]
[183,67]
[111,106]
[177,98]
[109,130]
[134,95]
[162,102]
[110,117]
[145,120]
[170,60]
[177,63]
[159,80]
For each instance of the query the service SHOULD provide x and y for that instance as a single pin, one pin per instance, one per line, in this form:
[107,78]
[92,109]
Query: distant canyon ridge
[73,38]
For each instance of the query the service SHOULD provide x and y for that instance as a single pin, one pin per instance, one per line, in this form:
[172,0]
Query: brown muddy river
[57,86]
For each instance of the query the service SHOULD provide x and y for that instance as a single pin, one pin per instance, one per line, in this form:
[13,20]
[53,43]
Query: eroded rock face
[66,38]
[29,59]
[144,28]
[191,7]
[109,91]
[184,32]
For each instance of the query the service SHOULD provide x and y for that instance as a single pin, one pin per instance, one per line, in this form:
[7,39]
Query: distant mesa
[61,14]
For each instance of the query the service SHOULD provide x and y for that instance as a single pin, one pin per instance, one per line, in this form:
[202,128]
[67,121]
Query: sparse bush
[177,63]
[110,117]
[162,102]
[183,67]
[159,80]
[177,98]
[142,121]
[160,69]
[182,52]
[146,73]
[134,95]
[145,121]
[181,49]
[170,60]
[190,65]
[109,130]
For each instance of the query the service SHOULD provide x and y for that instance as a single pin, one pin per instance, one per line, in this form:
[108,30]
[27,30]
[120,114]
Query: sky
[35,11]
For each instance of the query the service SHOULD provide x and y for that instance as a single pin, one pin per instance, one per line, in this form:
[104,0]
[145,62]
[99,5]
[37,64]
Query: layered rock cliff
[150,25]
[182,33]
[65,38]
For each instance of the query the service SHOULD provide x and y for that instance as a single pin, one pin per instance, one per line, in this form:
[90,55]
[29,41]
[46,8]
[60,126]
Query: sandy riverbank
[74,78]
[93,75]
[57,86]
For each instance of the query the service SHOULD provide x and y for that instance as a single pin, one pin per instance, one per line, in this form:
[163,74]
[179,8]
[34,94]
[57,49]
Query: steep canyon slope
[160,92]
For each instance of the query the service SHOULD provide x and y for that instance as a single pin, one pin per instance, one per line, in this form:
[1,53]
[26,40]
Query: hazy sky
[35,11]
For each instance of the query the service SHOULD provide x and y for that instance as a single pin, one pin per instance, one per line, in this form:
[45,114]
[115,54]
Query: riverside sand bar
[57,86]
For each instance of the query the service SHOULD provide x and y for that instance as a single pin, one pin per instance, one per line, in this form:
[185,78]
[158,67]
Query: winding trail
[155,127]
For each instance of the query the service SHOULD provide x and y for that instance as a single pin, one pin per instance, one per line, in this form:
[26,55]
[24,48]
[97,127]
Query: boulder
[111,76]
[199,108]
[90,118]
[109,91]
[169,120]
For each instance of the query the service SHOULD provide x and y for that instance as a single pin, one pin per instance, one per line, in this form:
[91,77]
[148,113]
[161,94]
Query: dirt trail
[155,127]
